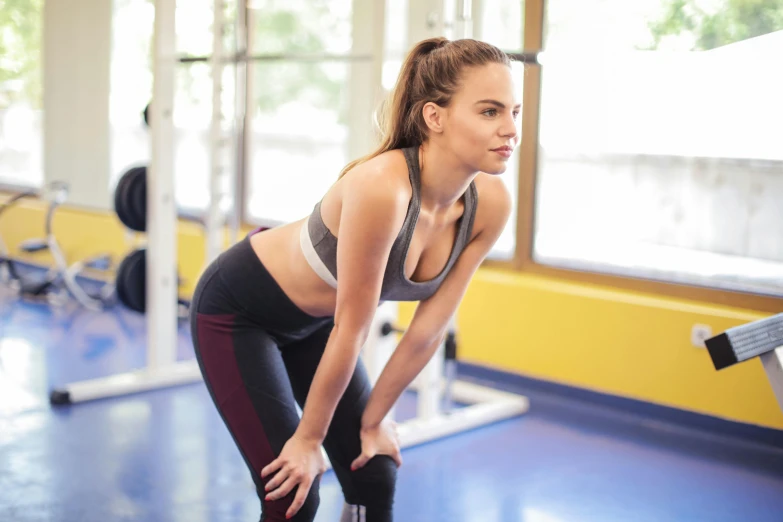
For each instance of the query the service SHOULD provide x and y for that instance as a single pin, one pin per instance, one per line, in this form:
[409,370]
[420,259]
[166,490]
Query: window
[130,84]
[299,137]
[131,91]
[501,23]
[396,42]
[300,127]
[21,100]
[660,139]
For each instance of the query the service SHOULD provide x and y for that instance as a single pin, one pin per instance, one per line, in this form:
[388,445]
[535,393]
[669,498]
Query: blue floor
[165,456]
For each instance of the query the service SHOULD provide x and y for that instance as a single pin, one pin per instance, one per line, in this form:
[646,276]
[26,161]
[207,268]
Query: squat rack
[162,369]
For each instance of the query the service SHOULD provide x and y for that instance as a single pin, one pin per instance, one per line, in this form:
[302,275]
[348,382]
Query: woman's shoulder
[383,175]
[494,204]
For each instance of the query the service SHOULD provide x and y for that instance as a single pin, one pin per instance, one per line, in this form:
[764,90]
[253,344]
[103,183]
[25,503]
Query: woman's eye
[491,112]
[516,114]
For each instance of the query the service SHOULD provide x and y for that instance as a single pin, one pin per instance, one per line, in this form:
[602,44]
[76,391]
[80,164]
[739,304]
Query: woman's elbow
[351,333]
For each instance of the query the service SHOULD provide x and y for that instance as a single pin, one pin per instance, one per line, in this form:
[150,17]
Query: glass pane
[660,141]
[131,84]
[21,98]
[662,25]
[505,245]
[194,27]
[299,136]
[395,44]
[192,120]
[131,91]
[501,23]
[301,26]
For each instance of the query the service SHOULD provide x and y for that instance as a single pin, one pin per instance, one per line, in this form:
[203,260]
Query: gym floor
[165,455]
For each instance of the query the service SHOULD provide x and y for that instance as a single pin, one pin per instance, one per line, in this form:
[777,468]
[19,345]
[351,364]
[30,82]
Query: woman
[281,317]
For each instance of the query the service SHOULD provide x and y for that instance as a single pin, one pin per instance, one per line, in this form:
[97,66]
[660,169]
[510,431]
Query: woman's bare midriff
[278,249]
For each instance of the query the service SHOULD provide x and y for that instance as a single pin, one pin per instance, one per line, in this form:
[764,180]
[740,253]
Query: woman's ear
[434,116]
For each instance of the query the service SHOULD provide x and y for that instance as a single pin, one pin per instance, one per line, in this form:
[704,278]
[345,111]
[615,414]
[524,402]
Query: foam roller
[745,342]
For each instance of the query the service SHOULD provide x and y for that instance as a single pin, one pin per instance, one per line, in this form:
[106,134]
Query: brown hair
[430,73]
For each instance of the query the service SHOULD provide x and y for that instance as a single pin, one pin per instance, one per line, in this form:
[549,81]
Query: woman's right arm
[373,210]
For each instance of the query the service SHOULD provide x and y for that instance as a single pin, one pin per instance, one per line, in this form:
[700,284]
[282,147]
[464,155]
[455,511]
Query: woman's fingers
[361,460]
[292,480]
[299,500]
[276,480]
[397,458]
[272,467]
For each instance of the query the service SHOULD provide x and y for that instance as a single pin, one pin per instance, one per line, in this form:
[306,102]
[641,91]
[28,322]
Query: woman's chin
[495,167]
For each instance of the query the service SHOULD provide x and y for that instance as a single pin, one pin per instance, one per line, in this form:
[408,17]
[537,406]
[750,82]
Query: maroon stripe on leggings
[216,349]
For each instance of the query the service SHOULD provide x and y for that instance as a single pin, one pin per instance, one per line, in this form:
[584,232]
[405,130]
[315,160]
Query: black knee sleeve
[373,488]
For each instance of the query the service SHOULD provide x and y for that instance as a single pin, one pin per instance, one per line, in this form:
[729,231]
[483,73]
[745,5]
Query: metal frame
[772,362]
[762,338]
[434,419]
[5,253]
[60,280]
[280,57]
[162,368]
[214,219]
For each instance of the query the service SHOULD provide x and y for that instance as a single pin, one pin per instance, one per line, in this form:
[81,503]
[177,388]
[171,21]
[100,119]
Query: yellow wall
[613,341]
[84,233]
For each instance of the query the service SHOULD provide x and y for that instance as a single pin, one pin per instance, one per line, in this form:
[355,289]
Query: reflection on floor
[165,456]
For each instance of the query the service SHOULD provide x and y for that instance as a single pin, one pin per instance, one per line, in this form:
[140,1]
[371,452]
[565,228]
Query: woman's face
[480,126]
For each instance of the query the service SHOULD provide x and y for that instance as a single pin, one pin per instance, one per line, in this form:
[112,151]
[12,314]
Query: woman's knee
[375,483]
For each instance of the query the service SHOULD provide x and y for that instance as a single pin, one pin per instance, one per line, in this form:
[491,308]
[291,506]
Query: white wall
[76,62]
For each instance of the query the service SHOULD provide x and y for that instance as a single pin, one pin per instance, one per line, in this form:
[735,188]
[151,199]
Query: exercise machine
[162,368]
[59,282]
[8,273]
[762,339]
[130,206]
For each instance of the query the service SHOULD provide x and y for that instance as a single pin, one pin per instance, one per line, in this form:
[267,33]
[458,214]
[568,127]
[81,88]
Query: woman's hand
[379,440]
[300,462]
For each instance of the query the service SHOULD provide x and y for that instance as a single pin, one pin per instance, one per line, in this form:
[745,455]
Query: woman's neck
[444,179]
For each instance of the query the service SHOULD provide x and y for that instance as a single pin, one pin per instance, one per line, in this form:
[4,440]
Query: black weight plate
[136,279]
[137,193]
[120,202]
[136,221]
[132,280]
[119,280]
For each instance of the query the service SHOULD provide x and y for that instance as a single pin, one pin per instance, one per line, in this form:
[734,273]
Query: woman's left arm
[432,316]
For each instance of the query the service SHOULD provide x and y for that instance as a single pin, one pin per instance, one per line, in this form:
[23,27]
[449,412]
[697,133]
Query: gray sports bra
[319,245]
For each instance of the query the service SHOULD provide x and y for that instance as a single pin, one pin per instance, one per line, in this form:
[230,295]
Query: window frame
[528,174]
[370,36]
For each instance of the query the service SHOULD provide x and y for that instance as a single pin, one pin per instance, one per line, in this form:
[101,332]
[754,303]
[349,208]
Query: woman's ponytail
[430,73]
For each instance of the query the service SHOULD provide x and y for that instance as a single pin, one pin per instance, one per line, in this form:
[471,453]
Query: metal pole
[161,307]
[162,369]
[240,122]
[284,57]
[215,219]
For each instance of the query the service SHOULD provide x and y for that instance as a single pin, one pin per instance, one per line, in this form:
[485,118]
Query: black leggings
[258,353]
